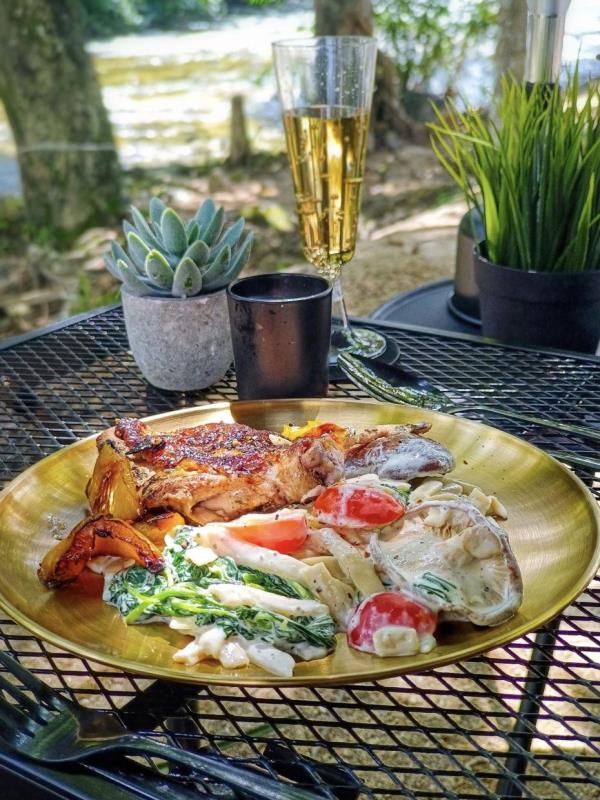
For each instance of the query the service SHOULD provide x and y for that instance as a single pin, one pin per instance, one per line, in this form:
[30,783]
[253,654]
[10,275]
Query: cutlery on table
[339,779]
[53,730]
[132,782]
[144,782]
[393,384]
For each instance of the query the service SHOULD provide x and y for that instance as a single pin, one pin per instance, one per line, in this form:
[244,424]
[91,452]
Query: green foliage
[104,18]
[533,175]
[273,583]
[252,622]
[130,587]
[87,298]
[14,229]
[182,590]
[426,35]
[109,17]
[169,257]
[260,3]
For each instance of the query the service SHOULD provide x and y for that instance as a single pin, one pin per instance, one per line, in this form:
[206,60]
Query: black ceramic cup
[280,328]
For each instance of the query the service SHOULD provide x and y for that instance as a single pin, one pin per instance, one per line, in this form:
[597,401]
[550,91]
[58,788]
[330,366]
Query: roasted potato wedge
[65,562]
[111,489]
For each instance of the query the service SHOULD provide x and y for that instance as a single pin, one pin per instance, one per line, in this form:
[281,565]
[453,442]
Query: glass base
[362,341]
[368,343]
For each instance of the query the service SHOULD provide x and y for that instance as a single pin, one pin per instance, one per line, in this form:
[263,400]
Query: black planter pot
[549,309]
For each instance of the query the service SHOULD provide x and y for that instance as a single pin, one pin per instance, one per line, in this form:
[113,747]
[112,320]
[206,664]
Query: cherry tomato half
[284,531]
[355,506]
[384,609]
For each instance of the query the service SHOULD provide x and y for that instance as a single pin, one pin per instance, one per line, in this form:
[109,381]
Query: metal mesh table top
[455,732]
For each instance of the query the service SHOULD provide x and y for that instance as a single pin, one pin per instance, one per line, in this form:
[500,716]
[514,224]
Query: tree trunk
[69,166]
[343,18]
[239,144]
[355,18]
[510,46]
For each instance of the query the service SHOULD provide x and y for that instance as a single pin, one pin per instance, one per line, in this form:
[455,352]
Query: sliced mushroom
[400,455]
[449,555]
[442,489]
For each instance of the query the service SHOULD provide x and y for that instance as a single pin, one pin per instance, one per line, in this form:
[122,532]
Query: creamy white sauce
[372,479]
[233,655]
[308,652]
[395,640]
[200,555]
[108,566]
[234,595]
[207,643]
[270,659]
[210,642]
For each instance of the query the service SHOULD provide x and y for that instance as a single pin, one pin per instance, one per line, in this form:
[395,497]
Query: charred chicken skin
[145,483]
[220,471]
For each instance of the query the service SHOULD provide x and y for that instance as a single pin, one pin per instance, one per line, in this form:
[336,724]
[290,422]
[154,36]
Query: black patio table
[519,721]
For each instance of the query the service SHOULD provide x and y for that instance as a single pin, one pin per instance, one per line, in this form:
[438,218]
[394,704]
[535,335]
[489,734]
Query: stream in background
[169,93]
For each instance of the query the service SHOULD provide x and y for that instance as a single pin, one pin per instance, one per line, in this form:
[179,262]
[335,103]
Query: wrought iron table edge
[58,325]
[473,338]
[510,784]
[359,320]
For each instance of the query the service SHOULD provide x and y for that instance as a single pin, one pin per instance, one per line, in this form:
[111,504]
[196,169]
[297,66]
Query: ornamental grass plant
[532,171]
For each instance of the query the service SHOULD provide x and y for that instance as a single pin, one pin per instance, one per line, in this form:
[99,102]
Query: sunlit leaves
[533,176]
[428,36]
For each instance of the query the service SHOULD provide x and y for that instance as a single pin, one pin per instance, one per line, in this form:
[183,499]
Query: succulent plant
[169,257]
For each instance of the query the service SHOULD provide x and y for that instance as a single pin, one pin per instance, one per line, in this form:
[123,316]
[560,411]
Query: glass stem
[344,330]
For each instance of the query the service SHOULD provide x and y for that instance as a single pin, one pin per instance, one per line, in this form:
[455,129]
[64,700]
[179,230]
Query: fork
[55,730]
[392,383]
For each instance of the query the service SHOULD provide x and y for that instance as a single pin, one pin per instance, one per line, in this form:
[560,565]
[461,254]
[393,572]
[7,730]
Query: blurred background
[106,102]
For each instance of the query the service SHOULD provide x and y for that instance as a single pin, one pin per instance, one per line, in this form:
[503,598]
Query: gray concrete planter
[179,345]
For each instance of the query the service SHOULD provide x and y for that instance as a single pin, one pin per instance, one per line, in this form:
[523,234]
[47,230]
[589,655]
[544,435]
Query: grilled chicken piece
[367,435]
[220,471]
[398,452]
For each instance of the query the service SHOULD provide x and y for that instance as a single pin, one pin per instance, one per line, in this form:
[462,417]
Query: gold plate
[553,525]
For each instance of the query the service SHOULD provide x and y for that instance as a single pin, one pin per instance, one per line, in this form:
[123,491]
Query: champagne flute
[326,86]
